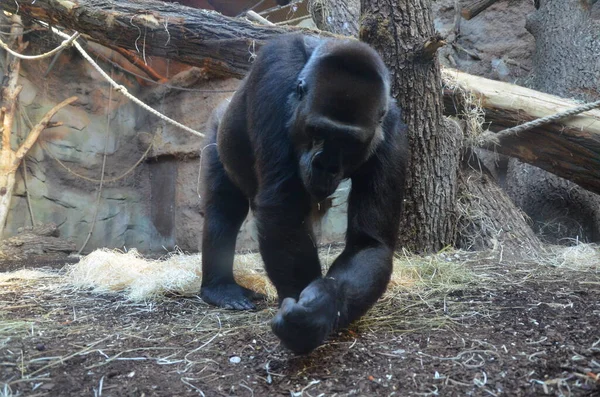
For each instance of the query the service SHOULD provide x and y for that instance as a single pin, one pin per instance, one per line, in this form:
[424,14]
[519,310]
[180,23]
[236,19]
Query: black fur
[310,113]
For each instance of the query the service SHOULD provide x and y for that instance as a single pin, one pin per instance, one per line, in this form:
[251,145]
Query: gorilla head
[340,101]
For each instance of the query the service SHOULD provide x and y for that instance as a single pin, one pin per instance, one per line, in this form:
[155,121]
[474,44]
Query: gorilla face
[340,105]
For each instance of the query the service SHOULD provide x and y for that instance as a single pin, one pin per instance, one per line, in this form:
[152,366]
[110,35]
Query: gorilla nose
[323,165]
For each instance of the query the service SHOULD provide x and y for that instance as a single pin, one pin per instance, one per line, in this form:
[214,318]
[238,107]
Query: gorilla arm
[360,275]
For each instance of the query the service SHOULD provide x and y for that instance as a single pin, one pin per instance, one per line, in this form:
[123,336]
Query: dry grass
[577,257]
[469,109]
[139,279]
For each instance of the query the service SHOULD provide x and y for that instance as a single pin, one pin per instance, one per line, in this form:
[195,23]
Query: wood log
[569,148]
[39,240]
[476,8]
[169,30]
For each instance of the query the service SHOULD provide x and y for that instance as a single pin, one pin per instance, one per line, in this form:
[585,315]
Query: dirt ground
[508,330]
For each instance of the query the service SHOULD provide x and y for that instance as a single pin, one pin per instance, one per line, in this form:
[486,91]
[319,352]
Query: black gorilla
[310,113]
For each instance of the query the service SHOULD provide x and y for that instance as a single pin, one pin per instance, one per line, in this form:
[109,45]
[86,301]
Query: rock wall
[156,206]
[63,167]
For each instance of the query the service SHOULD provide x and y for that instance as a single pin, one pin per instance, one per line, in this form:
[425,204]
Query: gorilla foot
[230,296]
[303,325]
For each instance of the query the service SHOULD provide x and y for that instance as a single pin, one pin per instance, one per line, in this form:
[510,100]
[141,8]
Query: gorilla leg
[292,263]
[287,247]
[225,208]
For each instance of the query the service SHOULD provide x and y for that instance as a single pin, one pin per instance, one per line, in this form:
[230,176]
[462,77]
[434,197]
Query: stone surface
[497,35]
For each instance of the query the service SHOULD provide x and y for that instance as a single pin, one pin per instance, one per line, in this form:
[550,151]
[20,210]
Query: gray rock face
[154,207]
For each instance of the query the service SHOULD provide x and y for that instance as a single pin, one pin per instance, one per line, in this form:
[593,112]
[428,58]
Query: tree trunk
[489,219]
[340,17]
[566,64]
[403,33]
[567,49]
[7,185]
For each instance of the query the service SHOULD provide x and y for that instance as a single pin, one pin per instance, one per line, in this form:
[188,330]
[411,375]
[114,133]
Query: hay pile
[139,279]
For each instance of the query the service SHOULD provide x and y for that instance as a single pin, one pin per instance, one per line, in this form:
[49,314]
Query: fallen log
[203,38]
[569,148]
[39,240]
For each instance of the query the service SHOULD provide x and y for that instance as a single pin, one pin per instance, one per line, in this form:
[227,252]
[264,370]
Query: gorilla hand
[304,325]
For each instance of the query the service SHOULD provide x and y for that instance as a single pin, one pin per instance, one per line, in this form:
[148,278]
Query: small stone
[40,347]
[235,359]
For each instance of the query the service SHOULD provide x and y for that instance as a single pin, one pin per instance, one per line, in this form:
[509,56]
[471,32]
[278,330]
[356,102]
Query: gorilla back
[310,113]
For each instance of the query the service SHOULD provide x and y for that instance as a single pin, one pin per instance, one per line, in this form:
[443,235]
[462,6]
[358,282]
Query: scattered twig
[254,17]
[475,8]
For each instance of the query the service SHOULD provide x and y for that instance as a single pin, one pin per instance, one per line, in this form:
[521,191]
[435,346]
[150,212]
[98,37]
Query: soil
[520,330]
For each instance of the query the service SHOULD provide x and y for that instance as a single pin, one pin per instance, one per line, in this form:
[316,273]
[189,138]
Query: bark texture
[565,64]
[489,218]
[566,49]
[39,240]
[569,148]
[402,32]
[197,37]
[340,17]
[561,212]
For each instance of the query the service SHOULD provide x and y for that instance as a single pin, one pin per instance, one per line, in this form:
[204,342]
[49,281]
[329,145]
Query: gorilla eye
[301,89]
[318,142]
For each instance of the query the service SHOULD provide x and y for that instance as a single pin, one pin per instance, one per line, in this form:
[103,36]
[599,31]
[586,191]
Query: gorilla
[310,113]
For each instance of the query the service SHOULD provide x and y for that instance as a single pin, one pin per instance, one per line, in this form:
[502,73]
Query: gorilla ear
[301,89]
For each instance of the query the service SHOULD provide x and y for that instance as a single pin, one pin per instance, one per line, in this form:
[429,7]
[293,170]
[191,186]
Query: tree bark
[197,37]
[402,31]
[566,49]
[340,17]
[40,240]
[488,217]
[569,148]
[565,63]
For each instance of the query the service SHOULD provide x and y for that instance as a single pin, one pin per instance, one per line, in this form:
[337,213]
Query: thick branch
[11,89]
[137,62]
[9,99]
[569,149]
[38,128]
[193,36]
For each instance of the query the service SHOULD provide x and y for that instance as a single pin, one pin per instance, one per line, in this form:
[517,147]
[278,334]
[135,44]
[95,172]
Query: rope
[93,180]
[71,40]
[121,88]
[495,137]
[99,196]
[67,43]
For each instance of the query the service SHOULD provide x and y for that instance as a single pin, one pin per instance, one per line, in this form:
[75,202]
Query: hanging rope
[71,40]
[67,43]
[495,137]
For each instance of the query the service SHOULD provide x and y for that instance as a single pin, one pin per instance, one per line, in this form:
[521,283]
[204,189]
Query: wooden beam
[197,37]
[569,148]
